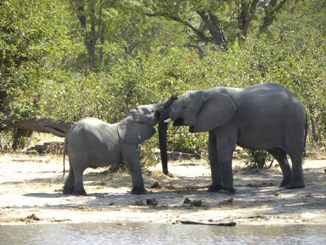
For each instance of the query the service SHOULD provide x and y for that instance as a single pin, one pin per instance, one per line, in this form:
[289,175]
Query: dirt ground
[31,192]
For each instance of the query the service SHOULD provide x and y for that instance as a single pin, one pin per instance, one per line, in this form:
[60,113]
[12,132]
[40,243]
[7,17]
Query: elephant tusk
[167,120]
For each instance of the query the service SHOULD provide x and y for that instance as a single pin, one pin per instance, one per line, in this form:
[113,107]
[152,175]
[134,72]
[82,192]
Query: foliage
[72,59]
[31,41]
[257,159]
[5,142]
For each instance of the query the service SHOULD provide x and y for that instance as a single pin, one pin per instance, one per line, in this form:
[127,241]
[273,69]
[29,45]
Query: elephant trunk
[162,132]
[169,102]
[162,135]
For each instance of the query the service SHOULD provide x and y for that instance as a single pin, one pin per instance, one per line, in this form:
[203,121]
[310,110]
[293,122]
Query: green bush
[45,70]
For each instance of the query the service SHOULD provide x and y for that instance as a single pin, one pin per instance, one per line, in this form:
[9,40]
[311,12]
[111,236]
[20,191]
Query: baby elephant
[93,143]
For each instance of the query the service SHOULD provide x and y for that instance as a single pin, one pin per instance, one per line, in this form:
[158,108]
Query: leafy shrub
[257,159]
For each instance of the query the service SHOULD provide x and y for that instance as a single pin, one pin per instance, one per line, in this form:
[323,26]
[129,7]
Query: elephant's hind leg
[280,156]
[69,184]
[297,180]
[295,142]
[78,182]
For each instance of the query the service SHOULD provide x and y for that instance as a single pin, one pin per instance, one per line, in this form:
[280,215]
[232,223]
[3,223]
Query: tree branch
[177,18]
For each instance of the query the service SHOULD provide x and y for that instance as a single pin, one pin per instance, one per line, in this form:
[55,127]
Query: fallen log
[37,124]
[209,224]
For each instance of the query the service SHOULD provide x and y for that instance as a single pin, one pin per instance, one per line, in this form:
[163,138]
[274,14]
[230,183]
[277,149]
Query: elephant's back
[91,122]
[265,90]
[267,114]
[91,127]
[94,138]
[268,99]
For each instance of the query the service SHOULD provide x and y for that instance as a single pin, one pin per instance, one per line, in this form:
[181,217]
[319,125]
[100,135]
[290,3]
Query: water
[154,234]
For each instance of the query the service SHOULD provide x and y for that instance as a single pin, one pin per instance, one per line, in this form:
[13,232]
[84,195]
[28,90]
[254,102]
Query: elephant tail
[64,157]
[306,127]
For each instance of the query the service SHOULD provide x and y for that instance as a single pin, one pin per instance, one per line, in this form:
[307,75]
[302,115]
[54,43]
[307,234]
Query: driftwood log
[208,224]
[37,124]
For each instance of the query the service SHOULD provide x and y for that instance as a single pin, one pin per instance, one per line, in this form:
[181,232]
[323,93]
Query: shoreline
[32,184]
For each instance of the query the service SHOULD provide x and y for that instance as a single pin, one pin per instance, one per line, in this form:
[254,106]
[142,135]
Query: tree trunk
[19,138]
[314,133]
[247,12]
[90,39]
[101,33]
[90,45]
[211,23]
[270,11]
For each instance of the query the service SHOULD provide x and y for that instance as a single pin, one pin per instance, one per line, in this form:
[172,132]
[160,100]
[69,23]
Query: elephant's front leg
[216,170]
[225,145]
[130,156]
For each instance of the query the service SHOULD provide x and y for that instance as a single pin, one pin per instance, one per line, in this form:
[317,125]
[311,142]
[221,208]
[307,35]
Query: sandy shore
[31,193]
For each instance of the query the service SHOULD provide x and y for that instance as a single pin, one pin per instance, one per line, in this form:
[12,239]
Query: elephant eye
[184,107]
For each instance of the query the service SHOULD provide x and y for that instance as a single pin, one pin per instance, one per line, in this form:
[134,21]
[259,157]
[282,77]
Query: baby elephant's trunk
[162,130]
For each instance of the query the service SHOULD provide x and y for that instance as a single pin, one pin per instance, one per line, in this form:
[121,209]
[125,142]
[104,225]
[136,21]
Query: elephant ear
[216,111]
[133,133]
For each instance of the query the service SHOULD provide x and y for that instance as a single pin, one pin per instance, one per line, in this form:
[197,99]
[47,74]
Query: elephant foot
[79,192]
[295,185]
[285,182]
[139,191]
[230,191]
[67,190]
[214,188]
[169,174]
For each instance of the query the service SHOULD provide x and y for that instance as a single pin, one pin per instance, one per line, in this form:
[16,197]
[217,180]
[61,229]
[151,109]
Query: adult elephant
[265,116]
[91,142]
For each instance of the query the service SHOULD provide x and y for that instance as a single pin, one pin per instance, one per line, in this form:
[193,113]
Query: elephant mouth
[178,122]
[191,129]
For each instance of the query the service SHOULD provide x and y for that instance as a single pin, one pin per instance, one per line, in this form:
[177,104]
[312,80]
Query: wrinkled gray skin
[265,116]
[93,143]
